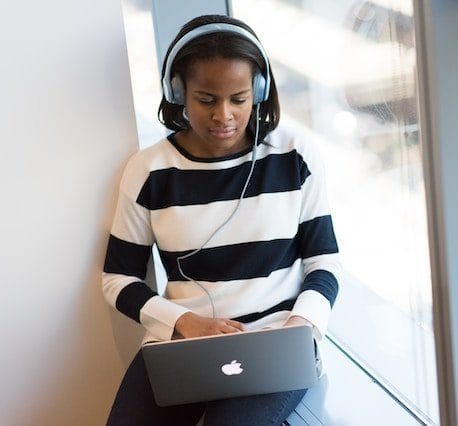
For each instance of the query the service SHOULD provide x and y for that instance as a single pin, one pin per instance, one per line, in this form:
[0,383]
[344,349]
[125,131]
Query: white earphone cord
[253,160]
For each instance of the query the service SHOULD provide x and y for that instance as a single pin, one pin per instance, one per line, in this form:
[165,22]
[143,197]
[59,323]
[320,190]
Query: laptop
[230,365]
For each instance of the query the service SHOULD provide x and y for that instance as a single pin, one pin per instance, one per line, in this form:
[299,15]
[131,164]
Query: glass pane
[346,74]
[144,70]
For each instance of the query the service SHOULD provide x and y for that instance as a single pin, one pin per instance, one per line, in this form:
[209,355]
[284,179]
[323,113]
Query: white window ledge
[346,395]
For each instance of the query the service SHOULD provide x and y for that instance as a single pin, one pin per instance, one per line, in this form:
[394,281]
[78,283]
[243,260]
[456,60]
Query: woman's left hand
[297,320]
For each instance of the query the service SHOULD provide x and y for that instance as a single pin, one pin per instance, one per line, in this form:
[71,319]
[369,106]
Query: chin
[225,136]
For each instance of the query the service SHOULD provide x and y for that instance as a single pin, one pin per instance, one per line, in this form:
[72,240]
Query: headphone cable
[180,258]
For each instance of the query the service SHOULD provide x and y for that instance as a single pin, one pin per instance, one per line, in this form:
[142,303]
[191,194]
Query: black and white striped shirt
[278,252]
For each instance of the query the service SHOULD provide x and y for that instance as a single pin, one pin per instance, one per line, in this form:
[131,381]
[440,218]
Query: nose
[222,112]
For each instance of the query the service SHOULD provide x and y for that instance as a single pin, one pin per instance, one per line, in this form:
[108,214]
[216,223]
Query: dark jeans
[134,406]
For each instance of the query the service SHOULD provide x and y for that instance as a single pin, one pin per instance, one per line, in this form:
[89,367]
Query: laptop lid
[231,365]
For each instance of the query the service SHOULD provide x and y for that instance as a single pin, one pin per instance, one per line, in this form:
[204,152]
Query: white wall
[66,128]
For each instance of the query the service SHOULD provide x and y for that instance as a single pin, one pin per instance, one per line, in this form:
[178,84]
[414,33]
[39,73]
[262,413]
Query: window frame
[434,27]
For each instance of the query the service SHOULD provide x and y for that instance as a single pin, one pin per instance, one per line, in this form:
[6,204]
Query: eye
[206,101]
[239,101]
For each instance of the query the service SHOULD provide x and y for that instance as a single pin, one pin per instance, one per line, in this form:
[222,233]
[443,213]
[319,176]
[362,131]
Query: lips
[223,132]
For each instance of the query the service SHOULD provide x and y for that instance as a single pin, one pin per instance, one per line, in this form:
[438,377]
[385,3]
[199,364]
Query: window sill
[346,395]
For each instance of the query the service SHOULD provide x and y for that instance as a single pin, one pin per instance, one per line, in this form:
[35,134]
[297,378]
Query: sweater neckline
[172,139]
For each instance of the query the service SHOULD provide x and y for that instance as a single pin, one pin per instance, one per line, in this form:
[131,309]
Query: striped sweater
[277,254]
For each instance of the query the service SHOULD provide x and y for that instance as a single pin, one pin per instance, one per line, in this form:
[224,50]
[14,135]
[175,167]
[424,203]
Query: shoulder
[287,138]
[143,162]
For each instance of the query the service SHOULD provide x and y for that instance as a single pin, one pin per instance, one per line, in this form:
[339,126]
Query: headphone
[173,87]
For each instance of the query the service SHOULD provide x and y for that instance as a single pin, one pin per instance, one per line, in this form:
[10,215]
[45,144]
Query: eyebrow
[202,92]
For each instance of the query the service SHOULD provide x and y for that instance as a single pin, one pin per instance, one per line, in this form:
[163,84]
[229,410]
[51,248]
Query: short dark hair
[225,45]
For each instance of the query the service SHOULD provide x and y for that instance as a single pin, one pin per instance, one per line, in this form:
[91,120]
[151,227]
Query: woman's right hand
[192,325]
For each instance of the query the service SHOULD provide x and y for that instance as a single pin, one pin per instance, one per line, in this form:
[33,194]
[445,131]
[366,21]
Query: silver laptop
[231,365]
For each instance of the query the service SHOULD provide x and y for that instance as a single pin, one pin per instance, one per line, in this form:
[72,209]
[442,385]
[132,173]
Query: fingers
[230,326]
[191,325]
[238,325]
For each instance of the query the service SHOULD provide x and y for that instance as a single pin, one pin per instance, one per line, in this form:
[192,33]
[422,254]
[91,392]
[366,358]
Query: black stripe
[174,187]
[317,237]
[253,259]
[132,298]
[126,258]
[323,282]
[286,305]
[232,262]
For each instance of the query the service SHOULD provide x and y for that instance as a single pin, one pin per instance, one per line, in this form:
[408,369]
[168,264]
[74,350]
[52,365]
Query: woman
[238,210]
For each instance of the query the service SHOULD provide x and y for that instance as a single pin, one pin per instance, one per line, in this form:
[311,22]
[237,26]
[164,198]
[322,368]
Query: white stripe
[314,205]
[159,315]
[132,222]
[238,297]
[164,155]
[113,284]
[314,307]
[328,262]
[188,227]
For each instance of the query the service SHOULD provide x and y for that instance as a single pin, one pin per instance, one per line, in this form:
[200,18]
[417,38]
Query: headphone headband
[261,83]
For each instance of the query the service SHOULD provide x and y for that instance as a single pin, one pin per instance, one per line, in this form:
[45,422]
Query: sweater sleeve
[318,247]
[128,253]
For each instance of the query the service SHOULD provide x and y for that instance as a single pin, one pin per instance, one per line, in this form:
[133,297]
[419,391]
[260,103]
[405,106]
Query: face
[219,101]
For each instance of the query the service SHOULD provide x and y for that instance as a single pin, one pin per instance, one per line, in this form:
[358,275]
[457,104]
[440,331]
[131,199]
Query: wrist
[298,320]
[180,323]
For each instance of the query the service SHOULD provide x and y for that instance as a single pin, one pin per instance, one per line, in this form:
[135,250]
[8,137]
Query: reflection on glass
[346,74]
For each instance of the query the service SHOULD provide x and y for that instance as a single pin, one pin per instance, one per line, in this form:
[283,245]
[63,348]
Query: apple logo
[232,368]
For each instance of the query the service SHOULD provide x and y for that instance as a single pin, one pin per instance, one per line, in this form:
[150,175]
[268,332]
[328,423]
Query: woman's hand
[192,325]
[297,320]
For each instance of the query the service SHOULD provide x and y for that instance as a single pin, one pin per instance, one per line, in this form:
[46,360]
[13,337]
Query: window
[145,74]
[346,74]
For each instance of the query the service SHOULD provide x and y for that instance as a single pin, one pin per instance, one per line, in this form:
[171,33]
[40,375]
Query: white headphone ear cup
[259,89]
[177,85]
